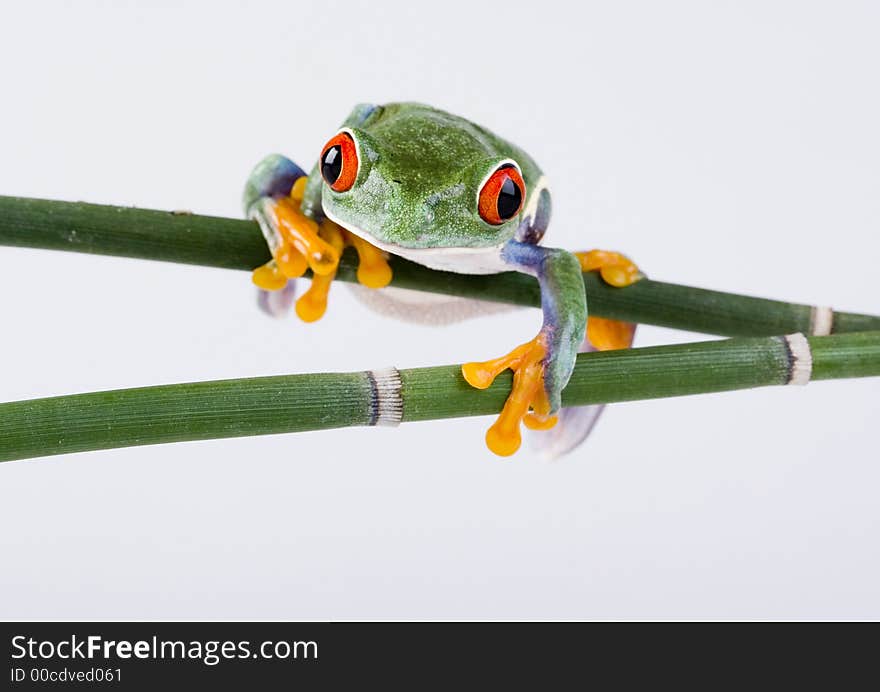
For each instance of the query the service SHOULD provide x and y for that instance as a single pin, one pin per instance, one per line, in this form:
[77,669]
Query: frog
[413,181]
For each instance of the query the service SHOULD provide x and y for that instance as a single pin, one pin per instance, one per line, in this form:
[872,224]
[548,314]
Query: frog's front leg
[275,197]
[542,366]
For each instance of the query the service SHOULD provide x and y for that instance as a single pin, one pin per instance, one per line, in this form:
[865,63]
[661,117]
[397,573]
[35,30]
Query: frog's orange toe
[312,305]
[298,191]
[616,269]
[301,232]
[527,362]
[481,375]
[290,262]
[373,268]
[504,437]
[610,335]
[534,421]
[269,277]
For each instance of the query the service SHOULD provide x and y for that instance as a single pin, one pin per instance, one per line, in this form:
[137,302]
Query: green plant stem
[238,244]
[292,403]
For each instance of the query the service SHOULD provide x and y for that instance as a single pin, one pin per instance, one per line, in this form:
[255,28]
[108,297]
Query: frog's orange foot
[305,244]
[616,269]
[527,362]
[298,243]
[610,335]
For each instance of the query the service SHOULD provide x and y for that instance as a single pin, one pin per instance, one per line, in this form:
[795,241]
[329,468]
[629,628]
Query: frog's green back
[426,140]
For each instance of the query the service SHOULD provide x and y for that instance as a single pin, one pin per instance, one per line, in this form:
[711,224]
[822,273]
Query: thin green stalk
[238,244]
[292,403]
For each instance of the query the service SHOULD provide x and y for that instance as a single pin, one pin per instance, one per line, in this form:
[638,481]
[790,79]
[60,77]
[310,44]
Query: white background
[726,145]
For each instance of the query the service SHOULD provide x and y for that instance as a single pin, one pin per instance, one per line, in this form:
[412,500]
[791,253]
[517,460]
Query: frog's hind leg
[277,303]
[619,271]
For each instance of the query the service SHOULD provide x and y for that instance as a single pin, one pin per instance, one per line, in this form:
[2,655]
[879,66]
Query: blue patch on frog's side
[562,302]
[531,230]
[361,113]
[530,257]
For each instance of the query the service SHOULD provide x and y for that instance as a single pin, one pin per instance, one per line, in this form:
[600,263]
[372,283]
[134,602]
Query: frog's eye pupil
[501,196]
[331,164]
[509,199]
[339,162]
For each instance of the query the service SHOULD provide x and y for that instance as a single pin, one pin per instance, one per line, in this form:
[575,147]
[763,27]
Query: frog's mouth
[461,260]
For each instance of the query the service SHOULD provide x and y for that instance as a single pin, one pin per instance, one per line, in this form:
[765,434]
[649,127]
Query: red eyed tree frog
[410,180]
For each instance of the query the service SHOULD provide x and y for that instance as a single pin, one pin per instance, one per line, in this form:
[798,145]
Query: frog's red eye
[502,195]
[339,162]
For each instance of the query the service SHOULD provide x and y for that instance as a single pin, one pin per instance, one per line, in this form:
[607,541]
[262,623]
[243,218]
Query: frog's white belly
[461,260]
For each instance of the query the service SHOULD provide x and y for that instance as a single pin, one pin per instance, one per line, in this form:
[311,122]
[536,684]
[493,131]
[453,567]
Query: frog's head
[411,178]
